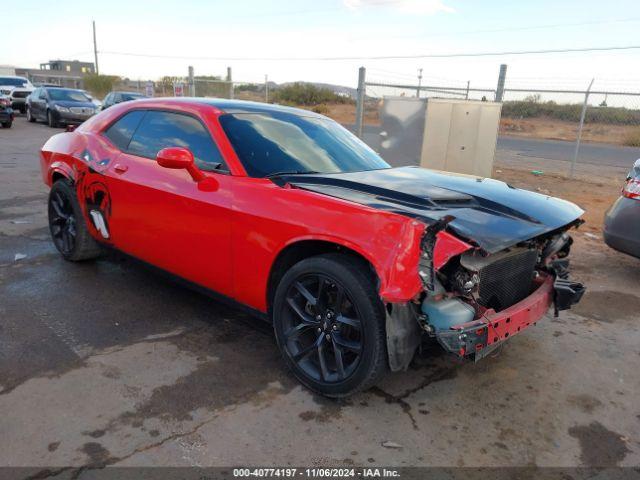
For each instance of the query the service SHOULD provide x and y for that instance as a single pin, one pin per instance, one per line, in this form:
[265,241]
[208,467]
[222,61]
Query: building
[69,66]
[66,73]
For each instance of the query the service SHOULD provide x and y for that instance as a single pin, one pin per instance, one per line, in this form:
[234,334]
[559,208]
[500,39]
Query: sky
[268,31]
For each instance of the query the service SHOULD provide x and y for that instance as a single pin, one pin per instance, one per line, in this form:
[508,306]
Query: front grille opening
[508,280]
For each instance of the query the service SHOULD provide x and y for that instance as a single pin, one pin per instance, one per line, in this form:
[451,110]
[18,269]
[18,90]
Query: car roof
[127,91]
[57,87]
[239,106]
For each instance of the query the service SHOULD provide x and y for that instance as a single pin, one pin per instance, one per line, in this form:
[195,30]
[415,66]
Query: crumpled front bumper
[478,338]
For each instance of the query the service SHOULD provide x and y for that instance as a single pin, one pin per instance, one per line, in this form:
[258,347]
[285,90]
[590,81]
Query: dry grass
[551,129]
[632,139]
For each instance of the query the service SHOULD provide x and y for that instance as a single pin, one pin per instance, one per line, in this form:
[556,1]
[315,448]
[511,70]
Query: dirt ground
[552,129]
[595,197]
[106,363]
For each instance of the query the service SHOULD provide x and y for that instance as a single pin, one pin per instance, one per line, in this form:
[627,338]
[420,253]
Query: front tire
[51,121]
[67,225]
[7,124]
[30,117]
[329,324]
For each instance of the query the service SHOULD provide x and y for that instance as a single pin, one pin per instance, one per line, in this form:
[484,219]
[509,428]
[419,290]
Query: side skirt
[218,297]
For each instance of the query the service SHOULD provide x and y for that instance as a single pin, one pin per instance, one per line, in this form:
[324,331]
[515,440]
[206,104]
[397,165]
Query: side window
[117,97]
[121,131]
[160,130]
[107,99]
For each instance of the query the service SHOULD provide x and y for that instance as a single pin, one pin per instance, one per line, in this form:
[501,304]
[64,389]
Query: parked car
[17,89]
[118,97]
[622,220]
[59,106]
[95,101]
[6,112]
[286,213]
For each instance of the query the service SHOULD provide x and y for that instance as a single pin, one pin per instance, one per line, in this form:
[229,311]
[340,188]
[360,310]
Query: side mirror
[175,157]
[182,158]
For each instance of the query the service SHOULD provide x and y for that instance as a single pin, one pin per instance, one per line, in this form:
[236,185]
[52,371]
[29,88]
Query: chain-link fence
[575,129]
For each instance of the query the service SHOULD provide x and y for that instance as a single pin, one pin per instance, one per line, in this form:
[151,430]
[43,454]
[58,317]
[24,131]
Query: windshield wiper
[289,172]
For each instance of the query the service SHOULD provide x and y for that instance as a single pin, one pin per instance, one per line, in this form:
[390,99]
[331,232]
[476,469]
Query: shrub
[532,108]
[306,94]
[99,85]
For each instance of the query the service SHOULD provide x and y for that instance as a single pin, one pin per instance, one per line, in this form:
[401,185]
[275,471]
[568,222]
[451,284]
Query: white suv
[17,89]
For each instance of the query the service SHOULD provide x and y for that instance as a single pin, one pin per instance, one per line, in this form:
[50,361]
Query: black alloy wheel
[67,225]
[323,331]
[329,324]
[62,221]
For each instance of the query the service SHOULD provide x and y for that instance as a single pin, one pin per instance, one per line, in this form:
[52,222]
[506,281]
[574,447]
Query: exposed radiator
[505,278]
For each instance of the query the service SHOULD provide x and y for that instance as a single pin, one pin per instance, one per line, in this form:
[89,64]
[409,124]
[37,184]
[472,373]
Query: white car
[17,89]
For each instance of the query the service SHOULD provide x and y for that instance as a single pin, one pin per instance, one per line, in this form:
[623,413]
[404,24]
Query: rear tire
[7,124]
[67,225]
[30,117]
[52,122]
[329,324]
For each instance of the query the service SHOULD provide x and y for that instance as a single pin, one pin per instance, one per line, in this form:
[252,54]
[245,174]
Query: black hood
[488,212]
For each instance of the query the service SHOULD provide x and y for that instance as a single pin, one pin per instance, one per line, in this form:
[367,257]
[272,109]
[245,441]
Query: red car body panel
[226,240]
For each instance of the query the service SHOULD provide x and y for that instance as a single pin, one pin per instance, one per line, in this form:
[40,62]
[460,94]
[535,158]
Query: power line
[385,57]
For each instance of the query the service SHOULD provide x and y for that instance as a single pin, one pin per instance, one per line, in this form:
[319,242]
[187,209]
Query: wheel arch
[301,249]
[60,170]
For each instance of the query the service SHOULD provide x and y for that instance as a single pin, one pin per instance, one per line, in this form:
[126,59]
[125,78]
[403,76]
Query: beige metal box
[460,136]
[442,134]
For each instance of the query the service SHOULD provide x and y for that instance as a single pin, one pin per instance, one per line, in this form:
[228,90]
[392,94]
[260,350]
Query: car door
[39,104]
[161,215]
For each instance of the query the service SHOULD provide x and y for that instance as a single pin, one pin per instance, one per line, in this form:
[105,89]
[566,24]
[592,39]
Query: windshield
[14,82]
[131,96]
[64,95]
[274,142]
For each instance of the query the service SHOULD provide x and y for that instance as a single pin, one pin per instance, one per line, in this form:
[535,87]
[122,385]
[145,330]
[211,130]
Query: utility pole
[95,47]
[266,88]
[419,82]
[466,97]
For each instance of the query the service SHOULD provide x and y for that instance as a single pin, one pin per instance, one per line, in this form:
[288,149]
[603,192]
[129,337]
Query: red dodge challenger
[286,213]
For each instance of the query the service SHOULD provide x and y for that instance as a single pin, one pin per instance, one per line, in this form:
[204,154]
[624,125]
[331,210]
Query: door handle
[119,168]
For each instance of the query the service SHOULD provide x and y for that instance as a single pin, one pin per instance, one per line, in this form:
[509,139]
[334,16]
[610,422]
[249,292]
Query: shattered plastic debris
[388,444]
[19,256]
[591,235]
[20,222]
[537,172]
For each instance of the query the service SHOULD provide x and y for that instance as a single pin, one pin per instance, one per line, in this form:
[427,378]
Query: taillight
[632,189]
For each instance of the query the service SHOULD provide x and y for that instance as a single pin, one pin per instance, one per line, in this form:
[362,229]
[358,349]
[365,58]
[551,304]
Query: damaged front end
[474,301]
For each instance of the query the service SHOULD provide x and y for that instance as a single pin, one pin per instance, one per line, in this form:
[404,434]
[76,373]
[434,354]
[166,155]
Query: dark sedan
[59,106]
[119,97]
[622,221]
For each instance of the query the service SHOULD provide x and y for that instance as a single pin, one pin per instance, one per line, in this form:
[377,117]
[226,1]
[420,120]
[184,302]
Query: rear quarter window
[122,130]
